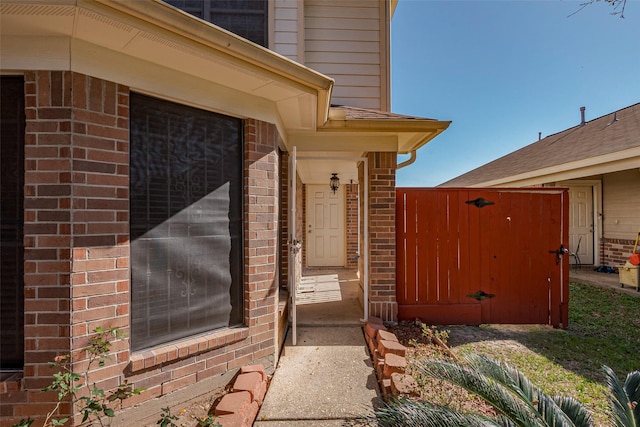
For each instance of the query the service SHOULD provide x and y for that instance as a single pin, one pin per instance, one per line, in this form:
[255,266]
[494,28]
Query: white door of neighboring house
[581,225]
[325,234]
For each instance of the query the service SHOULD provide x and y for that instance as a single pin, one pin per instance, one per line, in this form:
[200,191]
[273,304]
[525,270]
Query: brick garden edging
[388,359]
[240,407]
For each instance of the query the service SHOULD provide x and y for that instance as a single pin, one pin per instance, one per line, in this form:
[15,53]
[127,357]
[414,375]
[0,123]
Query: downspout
[410,160]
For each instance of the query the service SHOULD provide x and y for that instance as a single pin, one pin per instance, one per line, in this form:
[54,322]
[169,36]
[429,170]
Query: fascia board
[363,142]
[384,125]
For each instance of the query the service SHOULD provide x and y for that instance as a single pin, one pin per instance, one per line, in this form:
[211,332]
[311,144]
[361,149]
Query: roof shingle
[616,131]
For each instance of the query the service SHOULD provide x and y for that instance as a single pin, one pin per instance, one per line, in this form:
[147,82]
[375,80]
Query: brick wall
[352,224]
[615,252]
[76,199]
[382,209]
[284,218]
[77,249]
[262,201]
[100,221]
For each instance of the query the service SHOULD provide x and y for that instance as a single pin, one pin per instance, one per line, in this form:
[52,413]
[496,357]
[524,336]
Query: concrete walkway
[588,275]
[327,379]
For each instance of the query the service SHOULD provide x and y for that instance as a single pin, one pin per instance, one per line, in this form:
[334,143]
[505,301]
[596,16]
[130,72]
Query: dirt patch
[420,347]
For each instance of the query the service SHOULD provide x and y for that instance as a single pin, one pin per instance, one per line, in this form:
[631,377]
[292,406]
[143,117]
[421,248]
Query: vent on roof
[539,136]
[615,118]
[582,122]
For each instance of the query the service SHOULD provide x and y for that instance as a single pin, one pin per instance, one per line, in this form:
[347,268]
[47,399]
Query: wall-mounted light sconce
[334,182]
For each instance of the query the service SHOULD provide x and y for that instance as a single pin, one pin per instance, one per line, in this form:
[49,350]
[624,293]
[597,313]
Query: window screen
[186,198]
[12,127]
[246,18]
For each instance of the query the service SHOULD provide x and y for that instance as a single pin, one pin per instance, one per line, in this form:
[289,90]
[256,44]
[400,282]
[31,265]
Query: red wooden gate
[473,256]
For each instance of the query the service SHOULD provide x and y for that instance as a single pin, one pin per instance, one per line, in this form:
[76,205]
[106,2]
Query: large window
[186,198]
[246,18]
[12,127]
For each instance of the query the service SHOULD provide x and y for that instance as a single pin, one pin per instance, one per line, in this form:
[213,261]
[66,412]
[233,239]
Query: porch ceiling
[316,167]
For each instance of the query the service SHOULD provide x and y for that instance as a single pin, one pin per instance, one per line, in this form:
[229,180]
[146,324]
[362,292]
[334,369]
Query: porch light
[334,182]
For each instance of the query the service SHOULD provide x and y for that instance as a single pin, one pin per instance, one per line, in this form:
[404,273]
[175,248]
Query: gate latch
[480,295]
[559,252]
[295,246]
[480,202]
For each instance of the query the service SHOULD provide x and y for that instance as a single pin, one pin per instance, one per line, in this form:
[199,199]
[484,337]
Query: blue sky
[503,71]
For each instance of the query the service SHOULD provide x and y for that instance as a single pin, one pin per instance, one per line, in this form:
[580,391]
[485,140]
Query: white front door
[325,226]
[581,222]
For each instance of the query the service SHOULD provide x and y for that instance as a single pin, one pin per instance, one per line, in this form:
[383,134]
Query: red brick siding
[261,235]
[100,206]
[615,252]
[284,218]
[77,248]
[382,249]
[352,224]
[47,240]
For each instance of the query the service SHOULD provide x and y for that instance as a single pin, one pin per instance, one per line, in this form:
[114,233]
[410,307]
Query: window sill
[157,356]
[10,381]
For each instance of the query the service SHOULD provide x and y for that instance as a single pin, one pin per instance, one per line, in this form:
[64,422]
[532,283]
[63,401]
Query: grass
[604,329]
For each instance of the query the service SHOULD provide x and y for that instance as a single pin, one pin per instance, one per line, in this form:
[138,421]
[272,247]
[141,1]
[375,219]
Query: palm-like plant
[517,401]
[624,399]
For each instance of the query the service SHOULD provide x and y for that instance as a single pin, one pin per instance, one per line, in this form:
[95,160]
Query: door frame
[343,219]
[596,185]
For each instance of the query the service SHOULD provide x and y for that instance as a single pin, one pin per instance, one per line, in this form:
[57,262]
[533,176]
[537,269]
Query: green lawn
[604,329]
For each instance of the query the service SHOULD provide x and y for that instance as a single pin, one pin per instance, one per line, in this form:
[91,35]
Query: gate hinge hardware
[480,295]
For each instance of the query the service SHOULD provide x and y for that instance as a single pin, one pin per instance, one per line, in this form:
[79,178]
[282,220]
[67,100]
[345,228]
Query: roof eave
[164,15]
[608,163]
[411,133]
[167,53]
[177,21]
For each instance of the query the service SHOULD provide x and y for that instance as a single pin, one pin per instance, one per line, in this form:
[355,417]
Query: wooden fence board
[449,248]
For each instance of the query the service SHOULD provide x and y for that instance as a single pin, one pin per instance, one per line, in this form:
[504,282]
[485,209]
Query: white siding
[345,40]
[286,25]
[621,204]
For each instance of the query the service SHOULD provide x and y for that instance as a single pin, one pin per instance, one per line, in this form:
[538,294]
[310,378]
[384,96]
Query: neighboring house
[145,182]
[599,161]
